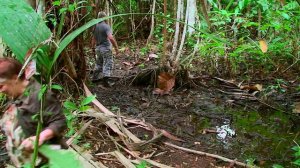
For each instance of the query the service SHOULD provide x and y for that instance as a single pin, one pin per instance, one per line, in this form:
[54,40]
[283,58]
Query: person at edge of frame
[19,121]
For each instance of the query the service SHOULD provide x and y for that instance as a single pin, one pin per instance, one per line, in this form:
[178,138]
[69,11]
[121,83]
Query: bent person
[20,119]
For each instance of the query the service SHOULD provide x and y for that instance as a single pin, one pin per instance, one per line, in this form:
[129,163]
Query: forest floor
[209,114]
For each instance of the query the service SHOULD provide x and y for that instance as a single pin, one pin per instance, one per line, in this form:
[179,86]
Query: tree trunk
[205,13]
[40,7]
[177,29]
[163,59]
[152,22]
[192,16]
[183,34]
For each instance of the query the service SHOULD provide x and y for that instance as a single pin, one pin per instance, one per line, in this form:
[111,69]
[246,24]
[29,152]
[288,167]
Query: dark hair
[10,67]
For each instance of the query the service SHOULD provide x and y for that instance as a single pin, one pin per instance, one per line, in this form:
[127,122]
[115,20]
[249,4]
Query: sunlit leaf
[285,15]
[57,87]
[60,158]
[87,100]
[263,46]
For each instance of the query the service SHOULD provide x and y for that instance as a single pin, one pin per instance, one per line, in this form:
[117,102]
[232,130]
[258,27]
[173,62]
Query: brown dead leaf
[165,81]
[263,46]
[256,87]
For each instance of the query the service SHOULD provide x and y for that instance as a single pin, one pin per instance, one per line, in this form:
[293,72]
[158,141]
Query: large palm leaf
[21,27]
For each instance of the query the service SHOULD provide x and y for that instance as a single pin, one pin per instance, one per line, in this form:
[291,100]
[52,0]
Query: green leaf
[42,92]
[87,100]
[296,162]
[72,7]
[57,87]
[56,3]
[70,105]
[21,27]
[285,15]
[84,108]
[62,10]
[277,166]
[296,148]
[60,158]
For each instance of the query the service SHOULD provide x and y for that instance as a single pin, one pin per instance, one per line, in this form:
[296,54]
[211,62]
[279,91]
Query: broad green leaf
[60,158]
[70,105]
[21,27]
[87,100]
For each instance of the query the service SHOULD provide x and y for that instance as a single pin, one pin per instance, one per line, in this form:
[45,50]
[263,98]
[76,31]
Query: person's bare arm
[45,135]
[113,42]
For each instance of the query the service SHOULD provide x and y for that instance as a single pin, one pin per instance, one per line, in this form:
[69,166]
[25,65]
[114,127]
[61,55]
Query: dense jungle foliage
[237,39]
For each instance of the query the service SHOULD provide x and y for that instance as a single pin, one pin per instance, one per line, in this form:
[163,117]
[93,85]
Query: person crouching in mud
[18,121]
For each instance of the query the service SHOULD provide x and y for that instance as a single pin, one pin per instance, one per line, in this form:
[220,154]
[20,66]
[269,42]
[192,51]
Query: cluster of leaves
[243,24]
[72,109]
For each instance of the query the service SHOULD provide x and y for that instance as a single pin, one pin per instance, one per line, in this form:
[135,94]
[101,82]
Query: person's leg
[98,65]
[108,63]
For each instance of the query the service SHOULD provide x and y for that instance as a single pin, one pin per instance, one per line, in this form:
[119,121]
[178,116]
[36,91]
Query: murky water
[263,137]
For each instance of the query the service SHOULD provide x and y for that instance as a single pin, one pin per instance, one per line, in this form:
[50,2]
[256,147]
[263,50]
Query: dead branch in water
[208,154]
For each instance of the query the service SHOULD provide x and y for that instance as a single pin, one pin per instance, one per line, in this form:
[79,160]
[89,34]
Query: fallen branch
[70,140]
[208,154]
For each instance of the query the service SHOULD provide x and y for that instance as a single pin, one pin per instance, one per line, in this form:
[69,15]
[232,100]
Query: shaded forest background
[246,38]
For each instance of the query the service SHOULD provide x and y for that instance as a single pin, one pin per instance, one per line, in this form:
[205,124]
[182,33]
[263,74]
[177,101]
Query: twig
[2,154]
[208,154]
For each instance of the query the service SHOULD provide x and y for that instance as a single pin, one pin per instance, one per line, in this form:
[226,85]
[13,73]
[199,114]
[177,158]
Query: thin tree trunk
[183,33]
[259,23]
[40,7]
[192,17]
[132,21]
[152,22]
[177,29]
[163,60]
[205,13]
[2,48]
